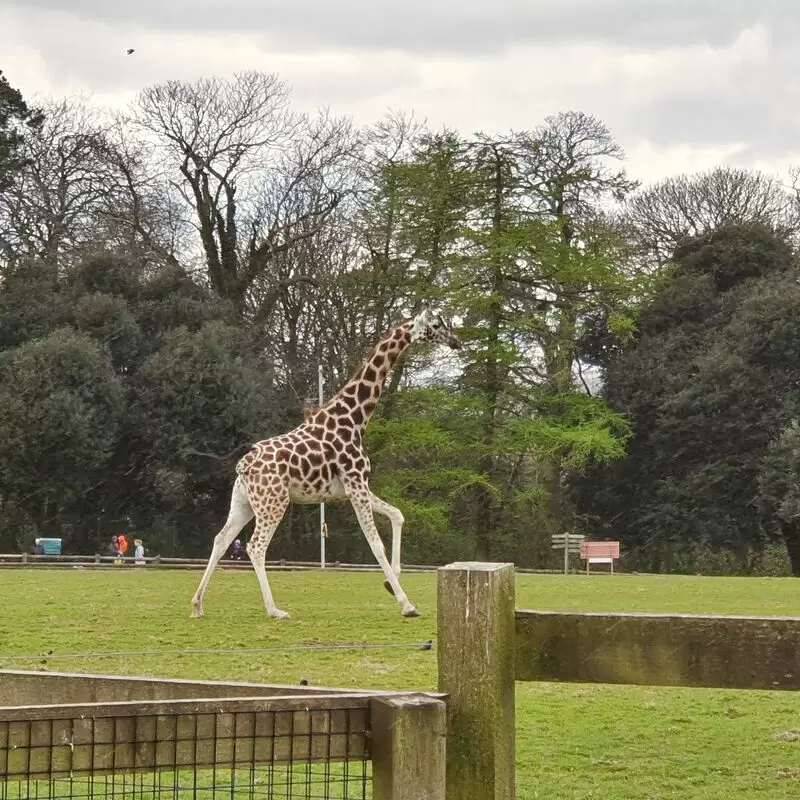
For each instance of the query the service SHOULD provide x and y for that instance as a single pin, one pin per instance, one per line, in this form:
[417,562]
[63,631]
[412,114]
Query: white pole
[322,527]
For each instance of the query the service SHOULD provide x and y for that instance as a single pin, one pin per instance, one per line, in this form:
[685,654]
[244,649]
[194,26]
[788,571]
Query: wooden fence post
[476,669]
[408,748]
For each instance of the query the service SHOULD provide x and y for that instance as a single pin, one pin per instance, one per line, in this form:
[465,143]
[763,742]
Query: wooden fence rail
[24,560]
[79,734]
[484,646]
[18,560]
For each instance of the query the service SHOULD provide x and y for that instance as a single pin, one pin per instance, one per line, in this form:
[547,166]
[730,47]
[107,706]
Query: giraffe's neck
[360,395]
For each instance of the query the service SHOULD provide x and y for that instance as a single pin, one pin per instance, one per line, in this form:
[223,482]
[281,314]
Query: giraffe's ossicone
[323,460]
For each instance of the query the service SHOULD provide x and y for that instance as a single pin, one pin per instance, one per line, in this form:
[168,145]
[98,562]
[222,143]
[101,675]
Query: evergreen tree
[15,117]
[707,383]
[110,374]
[779,490]
[511,240]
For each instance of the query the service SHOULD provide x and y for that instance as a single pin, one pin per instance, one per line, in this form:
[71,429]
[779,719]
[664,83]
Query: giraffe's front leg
[359,496]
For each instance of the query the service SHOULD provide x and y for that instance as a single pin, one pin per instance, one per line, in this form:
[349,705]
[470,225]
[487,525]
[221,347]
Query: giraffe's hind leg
[395,516]
[269,512]
[239,515]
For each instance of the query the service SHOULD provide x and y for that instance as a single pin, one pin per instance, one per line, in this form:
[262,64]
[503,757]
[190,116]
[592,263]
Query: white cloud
[715,83]
[650,163]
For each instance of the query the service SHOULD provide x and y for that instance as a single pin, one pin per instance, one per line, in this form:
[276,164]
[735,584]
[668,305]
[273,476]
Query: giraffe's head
[428,326]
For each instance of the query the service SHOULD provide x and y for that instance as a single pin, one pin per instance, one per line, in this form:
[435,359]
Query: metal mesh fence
[293,754]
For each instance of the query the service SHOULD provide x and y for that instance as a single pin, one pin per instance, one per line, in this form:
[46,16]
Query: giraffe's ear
[420,322]
[423,316]
[429,313]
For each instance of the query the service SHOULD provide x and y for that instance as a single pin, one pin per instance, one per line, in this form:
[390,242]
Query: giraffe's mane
[364,361]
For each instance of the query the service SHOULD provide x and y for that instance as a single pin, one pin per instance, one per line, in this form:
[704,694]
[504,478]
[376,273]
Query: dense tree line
[171,279]
[710,383]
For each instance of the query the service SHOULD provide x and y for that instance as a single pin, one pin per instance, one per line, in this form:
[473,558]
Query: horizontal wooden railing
[721,652]
[29,560]
[87,731]
[19,560]
[485,645]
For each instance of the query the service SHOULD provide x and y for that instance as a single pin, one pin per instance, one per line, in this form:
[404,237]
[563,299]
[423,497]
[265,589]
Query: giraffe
[323,460]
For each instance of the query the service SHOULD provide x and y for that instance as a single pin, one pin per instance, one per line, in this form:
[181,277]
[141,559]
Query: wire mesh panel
[276,754]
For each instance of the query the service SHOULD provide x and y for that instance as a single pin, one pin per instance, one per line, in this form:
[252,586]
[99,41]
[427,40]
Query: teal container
[52,547]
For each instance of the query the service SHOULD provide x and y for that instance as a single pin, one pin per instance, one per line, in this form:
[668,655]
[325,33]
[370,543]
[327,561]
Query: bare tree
[245,164]
[668,212]
[145,216]
[315,323]
[568,167]
[307,191]
[381,253]
[51,208]
[360,266]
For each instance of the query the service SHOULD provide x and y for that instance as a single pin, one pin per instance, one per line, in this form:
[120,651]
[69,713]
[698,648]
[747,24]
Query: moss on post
[476,670]
[408,752]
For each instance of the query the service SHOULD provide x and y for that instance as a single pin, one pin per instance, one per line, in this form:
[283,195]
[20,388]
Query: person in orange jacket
[122,544]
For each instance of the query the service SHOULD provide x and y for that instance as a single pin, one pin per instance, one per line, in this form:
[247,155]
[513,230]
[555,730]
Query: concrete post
[476,669]
[408,748]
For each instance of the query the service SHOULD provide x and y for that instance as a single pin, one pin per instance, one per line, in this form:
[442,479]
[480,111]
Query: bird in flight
[130,50]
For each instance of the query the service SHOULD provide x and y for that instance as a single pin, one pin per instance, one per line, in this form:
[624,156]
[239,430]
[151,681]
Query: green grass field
[574,741]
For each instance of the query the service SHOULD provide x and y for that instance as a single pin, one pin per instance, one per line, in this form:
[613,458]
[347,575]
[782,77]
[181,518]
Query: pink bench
[599,553]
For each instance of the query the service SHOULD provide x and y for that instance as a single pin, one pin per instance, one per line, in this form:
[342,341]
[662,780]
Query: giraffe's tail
[233,456]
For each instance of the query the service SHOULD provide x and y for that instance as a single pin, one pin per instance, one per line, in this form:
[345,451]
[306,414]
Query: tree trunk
[791,537]
[492,387]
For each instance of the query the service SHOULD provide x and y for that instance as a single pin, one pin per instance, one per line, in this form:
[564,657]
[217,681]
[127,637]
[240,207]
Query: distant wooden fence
[485,645]
[166,562]
[19,560]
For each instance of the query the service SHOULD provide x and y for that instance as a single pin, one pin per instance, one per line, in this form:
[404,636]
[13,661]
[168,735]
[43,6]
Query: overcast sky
[682,84]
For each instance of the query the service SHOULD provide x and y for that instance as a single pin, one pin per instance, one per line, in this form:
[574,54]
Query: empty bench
[600,553]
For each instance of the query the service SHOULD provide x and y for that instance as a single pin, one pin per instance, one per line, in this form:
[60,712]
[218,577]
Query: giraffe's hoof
[411,612]
[197,612]
[388,587]
[278,614]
